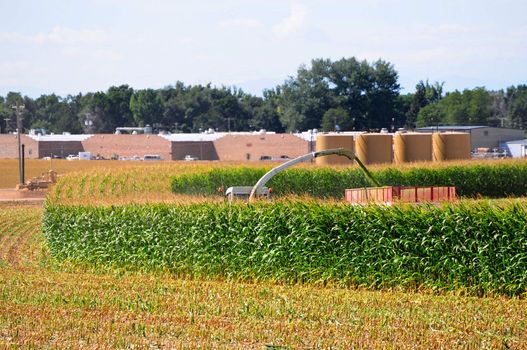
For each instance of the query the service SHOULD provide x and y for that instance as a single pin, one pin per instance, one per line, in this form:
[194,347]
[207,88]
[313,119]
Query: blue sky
[68,46]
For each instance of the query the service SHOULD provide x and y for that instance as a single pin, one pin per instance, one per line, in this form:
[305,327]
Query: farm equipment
[377,194]
[404,194]
[243,193]
[336,151]
[39,183]
[248,193]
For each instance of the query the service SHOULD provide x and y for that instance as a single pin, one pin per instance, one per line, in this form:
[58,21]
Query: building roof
[61,137]
[517,142]
[206,136]
[192,137]
[451,127]
[309,136]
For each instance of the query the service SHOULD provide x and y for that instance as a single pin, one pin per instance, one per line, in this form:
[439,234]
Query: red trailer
[404,194]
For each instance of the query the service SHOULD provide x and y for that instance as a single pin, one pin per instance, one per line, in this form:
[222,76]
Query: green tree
[119,113]
[69,116]
[4,113]
[470,107]
[146,107]
[336,119]
[498,109]
[430,115]
[516,98]
[263,111]
[305,98]
[425,94]
[47,112]
[12,99]
[368,92]
[173,100]
[402,107]
[93,115]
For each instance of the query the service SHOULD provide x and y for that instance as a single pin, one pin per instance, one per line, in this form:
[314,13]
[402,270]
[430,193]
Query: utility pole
[19,108]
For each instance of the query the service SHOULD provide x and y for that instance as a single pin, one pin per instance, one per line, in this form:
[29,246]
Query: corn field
[479,247]
[471,179]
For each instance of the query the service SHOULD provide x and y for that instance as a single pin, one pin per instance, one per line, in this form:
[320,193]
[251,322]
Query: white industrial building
[480,136]
[515,149]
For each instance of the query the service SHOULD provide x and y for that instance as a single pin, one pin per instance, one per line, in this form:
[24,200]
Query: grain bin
[450,146]
[374,148]
[412,147]
[331,141]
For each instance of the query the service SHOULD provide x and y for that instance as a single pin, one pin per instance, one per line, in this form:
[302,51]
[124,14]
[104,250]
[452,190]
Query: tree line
[341,95]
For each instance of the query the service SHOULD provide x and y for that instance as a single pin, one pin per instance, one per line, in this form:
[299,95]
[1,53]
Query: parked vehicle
[189,158]
[148,157]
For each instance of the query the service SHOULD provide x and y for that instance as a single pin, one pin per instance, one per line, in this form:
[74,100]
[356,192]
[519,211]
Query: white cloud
[244,23]
[185,41]
[58,35]
[62,35]
[447,28]
[11,37]
[11,67]
[107,55]
[100,54]
[11,72]
[291,24]
[371,56]
[71,51]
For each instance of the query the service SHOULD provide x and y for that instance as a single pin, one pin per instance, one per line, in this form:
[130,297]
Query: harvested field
[45,305]
[36,167]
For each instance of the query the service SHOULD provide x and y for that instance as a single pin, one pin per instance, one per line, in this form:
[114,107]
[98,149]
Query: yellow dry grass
[44,305]
[36,167]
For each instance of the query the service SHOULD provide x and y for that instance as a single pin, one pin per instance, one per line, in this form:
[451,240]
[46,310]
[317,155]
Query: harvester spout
[336,151]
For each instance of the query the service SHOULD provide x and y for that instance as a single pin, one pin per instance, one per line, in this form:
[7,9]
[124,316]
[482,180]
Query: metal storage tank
[412,147]
[450,146]
[374,148]
[331,141]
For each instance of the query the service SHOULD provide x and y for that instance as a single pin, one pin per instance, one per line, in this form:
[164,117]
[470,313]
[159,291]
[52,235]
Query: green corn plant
[478,246]
[471,179]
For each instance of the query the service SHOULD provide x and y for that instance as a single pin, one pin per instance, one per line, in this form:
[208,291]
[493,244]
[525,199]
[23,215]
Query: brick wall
[127,145]
[251,147]
[228,148]
[9,146]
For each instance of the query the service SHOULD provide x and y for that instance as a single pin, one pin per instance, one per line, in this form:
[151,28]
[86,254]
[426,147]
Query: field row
[120,182]
[478,247]
[44,305]
[489,179]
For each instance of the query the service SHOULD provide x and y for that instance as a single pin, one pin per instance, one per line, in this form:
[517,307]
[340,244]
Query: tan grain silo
[450,146]
[331,141]
[374,148]
[412,147]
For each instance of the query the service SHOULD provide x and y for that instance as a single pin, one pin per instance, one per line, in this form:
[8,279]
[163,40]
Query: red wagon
[405,194]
